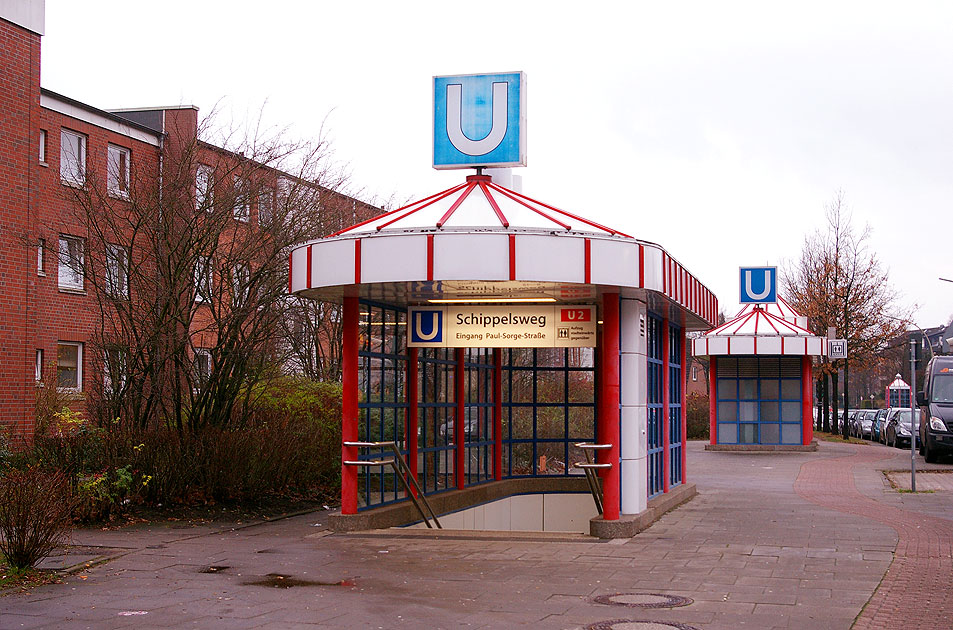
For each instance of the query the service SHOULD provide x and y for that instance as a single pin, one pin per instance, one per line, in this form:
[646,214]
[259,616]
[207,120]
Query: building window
[71,255]
[38,366]
[242,204]
[202,366]
[72,158]
[117,171]
[114,370]
[203,279]
[266,204]
[694,373]
[117,271]
[69,365]
[41,257]
[240,277]
[42,146]
[204,190]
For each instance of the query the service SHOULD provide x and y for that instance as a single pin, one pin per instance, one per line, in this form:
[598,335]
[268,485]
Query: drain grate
[642,600]
[637,624]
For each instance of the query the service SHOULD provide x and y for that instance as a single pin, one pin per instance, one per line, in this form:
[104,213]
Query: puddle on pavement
[277,580]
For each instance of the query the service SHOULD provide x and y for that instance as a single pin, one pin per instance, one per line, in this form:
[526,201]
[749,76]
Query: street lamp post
[913,414]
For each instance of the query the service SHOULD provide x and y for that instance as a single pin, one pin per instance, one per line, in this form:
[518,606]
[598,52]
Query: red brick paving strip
[917,591]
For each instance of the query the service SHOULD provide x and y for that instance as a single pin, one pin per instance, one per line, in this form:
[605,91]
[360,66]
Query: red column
[349,410]
[666,406]
[807,400]
[460,419]
[609,407]
[412,410]
[497,413]
[684,407]
[712,399]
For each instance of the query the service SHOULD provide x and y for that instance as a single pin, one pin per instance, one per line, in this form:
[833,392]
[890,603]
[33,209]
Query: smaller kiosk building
[897,393]
[760,378]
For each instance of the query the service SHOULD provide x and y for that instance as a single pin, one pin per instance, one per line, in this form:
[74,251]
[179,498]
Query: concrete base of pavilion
[764,448]
[629,525]
[404,513]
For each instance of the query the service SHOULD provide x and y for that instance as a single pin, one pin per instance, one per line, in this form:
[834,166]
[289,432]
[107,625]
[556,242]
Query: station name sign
[476,326]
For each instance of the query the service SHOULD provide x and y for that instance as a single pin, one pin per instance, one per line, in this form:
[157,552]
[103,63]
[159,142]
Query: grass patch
[837,437]
[23,581]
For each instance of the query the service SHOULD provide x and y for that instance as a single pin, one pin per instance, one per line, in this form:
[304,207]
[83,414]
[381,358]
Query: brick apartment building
[50,144]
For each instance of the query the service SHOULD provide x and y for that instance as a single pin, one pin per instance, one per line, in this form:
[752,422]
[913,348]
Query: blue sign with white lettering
[426,325]
[759,285]
[479,120]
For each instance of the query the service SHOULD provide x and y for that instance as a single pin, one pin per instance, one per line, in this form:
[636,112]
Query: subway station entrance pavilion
[512,354]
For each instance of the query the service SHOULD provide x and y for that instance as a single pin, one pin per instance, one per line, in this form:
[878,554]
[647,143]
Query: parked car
[883,427]
[863,420]
[878,423]
[899,430]
[936,409]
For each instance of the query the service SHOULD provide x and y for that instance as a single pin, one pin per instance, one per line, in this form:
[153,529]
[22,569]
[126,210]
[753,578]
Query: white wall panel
[471,257]
[635,487]
[632,383]
[718,345]
[550,258]
[634,432]
[632,326]
[769,345]
[614,262]
[394,259]
[299,268]
[332,263]
[742,345]
[653,268]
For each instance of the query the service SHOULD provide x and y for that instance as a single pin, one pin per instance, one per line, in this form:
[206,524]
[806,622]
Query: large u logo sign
[454,125]
[419,329]
[766,286]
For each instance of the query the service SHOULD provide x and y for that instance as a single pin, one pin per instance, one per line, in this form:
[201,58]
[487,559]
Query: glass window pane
[769,389]
[727,433]
[748,434]
[770,412]
[748,389]
[791,411]
[770,433]
[790,389]
[749,411]
[727,389]
[790,433]
[727,412]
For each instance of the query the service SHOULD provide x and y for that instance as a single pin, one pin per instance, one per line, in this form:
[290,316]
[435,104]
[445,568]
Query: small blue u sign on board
[759,285]
[479,120]
[426,326]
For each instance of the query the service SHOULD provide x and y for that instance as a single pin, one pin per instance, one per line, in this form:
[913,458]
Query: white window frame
[694,372]
[41,257]
[268,197]
[109,356]
[79,366]
[43,146]
[117,271]
[204,187]
[38,366]
[72,158]
[118,160]
[241,210]
[241,275]
[201,376]
[71,275]
[202,277]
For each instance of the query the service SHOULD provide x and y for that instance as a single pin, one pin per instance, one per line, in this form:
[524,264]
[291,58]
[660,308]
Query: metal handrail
[403,473]
[589,467]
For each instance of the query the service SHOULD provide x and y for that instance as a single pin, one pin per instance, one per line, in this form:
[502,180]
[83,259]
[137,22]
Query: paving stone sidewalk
[772,541]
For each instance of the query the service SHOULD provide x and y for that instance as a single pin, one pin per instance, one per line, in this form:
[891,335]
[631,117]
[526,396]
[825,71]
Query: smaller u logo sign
[426,326]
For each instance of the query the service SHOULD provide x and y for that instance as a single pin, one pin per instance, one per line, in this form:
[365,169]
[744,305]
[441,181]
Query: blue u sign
[759,285]
[478,120]
[426,326]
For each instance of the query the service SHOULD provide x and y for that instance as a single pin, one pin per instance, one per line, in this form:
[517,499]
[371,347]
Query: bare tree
[188,265]
[839,282]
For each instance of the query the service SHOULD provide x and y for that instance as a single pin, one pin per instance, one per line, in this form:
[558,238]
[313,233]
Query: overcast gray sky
[718,129]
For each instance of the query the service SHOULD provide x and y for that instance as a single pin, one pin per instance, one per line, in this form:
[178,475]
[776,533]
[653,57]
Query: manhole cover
[634,624]
[642,600]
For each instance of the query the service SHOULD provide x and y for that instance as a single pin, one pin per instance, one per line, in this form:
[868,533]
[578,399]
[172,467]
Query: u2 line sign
[476,326]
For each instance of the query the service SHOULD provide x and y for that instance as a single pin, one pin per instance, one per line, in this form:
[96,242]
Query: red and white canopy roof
[898,383]
[480,239]
[762,329]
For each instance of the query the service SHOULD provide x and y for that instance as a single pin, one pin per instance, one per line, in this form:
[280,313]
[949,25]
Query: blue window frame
[382,365]
[436,411]
[759,400]
[548,405]
[675,385]
[654,402]
[478,430]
